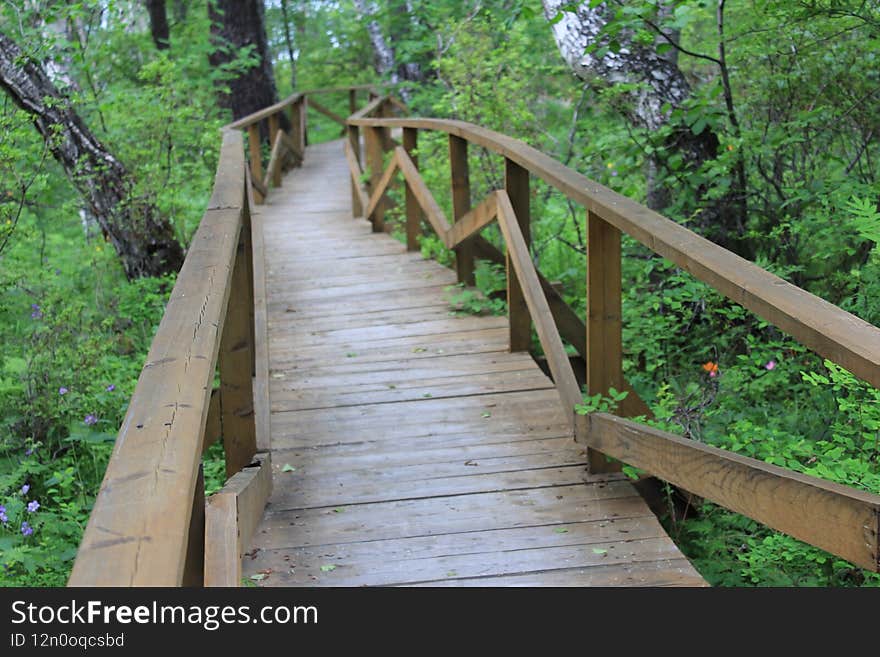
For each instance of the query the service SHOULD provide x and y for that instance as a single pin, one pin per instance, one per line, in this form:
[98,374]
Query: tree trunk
[238,24]
[143,239]
[385,58]
[159,24]
[661,84]
[288,38]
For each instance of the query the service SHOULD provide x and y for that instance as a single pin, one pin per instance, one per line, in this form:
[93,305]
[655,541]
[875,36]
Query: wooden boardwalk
[408,446]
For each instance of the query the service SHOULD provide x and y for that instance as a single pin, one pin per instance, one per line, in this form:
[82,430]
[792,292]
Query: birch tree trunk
[142,237]
[660,84]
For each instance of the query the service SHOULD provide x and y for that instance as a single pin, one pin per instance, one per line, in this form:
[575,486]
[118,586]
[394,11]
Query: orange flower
[711,368]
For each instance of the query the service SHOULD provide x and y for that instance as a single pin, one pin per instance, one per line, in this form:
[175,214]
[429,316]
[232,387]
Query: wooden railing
[837,518]
[151,524]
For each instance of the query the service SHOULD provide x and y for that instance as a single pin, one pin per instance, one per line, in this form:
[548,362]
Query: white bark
[660,80]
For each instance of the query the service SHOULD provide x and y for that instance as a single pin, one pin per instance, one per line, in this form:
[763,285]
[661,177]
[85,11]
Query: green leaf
[561,530]
[599,551]
[259,577]
[288,468]
[326,568]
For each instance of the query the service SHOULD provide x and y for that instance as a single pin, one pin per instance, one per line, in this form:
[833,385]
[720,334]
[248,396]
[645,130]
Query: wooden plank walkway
[423,453]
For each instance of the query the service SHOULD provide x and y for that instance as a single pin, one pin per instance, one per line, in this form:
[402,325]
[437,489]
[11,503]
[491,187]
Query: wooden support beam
[604,328]
[330,114]
[194,568]
[378,192]
[375,165]
[353,151]
[213,426]
[231,518]
[298,126]
[836,518]
[273,170]
[423,195]
[236,365]
[256,156]
[354,168]
[474,221]
[352,101]
[413,210]
[522,268]
[461,205]
[516,184]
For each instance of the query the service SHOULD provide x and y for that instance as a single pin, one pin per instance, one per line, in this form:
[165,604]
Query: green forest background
[795,112]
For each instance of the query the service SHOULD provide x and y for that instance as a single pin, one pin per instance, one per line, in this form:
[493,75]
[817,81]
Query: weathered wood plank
[473,221]
[137,532]
[330,114]
[378,192]
[420,190]
[461,205]
[232,515]
[604,319]
[536,306]
[836,518]
[236,367]
[413,210]
[516,185]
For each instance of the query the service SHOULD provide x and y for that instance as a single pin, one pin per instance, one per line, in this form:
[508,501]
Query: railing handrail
[830,331]
[295,97]
[837,518]
[139,529]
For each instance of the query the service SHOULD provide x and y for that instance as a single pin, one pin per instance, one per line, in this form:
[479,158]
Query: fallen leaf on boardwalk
[259,577]
[561,530]
[288,468]
[326,568]
[600,551]
[350,354]
[471,462]
[427,394]
[487,414]
[278,375]
[419,350]
[338,510]
[451,573]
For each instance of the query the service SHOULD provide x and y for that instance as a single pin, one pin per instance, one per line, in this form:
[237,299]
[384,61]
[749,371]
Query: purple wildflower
[3,517]
[26,529]
[32,506]
[25,489]
[29,451]
[91,419]
[771,364]
[111,388]
[63,391]
[36,312]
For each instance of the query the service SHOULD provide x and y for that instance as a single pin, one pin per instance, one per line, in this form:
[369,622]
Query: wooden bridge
[371,437]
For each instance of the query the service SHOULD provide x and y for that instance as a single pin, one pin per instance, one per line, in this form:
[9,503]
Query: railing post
[194,566]
[352,101]
[236,361]
[297,125]
[375,162]
[413,209]
[461,205]
[256,154]
[354,140]
[385,111]
[604,338]
[516,184]
[274,127]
